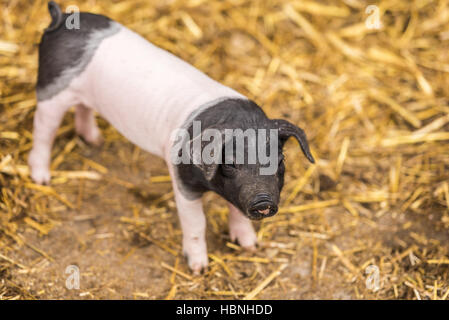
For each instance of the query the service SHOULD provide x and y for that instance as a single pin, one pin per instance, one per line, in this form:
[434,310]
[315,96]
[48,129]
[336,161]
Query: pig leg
[86,125]
[193,225]
[241,229]
[47,120]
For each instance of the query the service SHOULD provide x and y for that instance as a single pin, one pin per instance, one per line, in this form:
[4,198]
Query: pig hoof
[195,251]
[197,262]
[197,268]
[98,141]
[94,139]
[252,248]
[246,238]
[40,175]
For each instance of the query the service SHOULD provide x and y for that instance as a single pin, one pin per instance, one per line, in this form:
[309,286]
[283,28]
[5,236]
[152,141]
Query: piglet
[165,106]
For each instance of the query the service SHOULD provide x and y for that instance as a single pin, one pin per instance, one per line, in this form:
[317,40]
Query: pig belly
[143,91]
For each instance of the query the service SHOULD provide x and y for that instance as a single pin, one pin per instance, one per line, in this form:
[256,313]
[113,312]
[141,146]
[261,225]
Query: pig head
[248,173]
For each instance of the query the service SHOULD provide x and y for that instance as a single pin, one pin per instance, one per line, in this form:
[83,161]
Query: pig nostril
[262,197]
[262,206]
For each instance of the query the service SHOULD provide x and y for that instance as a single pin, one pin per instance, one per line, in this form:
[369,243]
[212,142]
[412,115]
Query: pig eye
[281,166]
[281,159]
[228,169]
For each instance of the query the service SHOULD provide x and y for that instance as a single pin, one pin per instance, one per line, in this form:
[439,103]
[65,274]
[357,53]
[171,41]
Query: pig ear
[287,130]
[209,170]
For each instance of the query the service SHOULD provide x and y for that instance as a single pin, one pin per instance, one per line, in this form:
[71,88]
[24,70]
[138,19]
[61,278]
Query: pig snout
[262,206]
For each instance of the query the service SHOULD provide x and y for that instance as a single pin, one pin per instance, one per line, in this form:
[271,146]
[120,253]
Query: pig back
[144,91]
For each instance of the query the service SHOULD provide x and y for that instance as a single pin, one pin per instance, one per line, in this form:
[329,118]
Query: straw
[373,103]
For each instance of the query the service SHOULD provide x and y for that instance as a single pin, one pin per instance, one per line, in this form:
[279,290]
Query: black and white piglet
[146,93]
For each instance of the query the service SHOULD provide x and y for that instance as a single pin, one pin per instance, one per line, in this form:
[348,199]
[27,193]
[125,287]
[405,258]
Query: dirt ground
[103,238]
[370,201]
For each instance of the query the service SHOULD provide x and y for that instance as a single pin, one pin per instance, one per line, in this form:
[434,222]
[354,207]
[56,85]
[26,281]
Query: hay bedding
[373,102]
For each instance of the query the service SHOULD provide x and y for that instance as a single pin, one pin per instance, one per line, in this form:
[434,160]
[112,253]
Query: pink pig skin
[145,93]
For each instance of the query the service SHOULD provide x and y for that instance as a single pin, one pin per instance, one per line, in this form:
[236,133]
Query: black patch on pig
[240,184]
[62,49]
[232,114]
